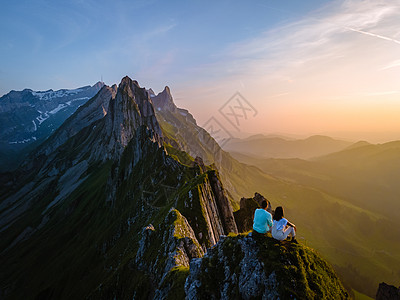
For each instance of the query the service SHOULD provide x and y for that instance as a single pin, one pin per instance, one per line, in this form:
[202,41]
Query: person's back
[262,219]
[282,228]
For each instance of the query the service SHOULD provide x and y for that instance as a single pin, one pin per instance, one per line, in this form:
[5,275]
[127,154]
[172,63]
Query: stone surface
[245,215]
[242,267]
[387,292]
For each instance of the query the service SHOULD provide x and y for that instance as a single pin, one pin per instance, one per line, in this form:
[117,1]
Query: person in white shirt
[282,228]
[262,219]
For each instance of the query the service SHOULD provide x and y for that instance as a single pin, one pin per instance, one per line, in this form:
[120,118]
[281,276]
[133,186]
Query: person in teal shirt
[262,219]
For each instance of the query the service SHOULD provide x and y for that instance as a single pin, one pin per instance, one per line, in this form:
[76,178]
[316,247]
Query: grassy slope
[360,296]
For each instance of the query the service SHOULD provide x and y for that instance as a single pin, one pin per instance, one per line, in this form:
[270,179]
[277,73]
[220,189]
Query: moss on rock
[243,267]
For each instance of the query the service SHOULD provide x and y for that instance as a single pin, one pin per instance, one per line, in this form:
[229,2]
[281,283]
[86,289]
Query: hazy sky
[302,66]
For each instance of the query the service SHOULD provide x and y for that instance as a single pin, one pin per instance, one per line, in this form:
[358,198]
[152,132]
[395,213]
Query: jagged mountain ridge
[100,187]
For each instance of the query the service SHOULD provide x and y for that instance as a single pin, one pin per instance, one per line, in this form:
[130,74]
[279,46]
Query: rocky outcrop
[164,101]
[173,244]
[131,109]
[207,208]
[245,215]
[243,268]
[260,198]
[223,205]
[387,292]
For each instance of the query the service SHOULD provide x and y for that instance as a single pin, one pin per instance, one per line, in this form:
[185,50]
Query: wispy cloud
[326,59]
[162,29]
[374,35]
[322,35]
[393,64]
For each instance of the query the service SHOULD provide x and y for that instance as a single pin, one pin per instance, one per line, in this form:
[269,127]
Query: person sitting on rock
[262,219]
[282,228]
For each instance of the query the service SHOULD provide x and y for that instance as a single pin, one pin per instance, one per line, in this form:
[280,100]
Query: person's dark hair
[278,213]
[264,204]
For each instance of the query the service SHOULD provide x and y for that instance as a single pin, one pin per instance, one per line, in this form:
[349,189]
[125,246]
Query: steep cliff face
[223,205]
[131,109]
[206,198]
[164,101]
[240,267]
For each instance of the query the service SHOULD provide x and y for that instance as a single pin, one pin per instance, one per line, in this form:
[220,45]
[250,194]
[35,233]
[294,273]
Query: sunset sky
[304,67]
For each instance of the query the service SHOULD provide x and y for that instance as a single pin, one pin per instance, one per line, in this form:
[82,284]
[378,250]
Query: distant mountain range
[28,117]
[280,147]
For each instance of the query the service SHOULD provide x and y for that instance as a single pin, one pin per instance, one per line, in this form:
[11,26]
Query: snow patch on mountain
[77,99]
[20,142]
[50,94]
[43,117]
[34,125]
[57,109]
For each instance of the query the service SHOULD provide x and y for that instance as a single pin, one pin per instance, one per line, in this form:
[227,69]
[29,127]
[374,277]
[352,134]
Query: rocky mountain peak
[130,109]
[99,85]
[166,90]
[164,100]
[151,92]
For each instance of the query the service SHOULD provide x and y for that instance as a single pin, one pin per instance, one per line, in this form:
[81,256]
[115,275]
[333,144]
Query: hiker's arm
[291,224]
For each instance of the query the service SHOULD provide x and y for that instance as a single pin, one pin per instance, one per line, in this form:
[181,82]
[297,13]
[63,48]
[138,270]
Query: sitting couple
[280,227]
